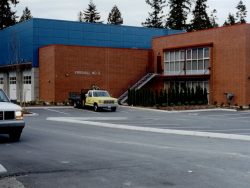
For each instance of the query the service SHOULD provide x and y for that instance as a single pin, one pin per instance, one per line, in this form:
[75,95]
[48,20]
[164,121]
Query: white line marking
[57,111]
[153,130]
[98,118]
[46,107]
[31,115]
[2,169]
[219,130]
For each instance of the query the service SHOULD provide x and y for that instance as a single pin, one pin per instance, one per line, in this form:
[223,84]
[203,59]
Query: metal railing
[138,85]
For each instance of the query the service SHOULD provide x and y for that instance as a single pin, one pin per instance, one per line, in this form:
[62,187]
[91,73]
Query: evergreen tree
[213,18]
[178,14]
[26,15]
[129,97]
[7,16]
[200,18]
[230,20]
[241,13]
[189,97]
[155,18]
[115,16]
[170,96]
[156,97]
[192,96]
[205,100]
[80,17]
[91,15]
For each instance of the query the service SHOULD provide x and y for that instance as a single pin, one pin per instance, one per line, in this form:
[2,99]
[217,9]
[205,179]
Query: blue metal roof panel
[36,33]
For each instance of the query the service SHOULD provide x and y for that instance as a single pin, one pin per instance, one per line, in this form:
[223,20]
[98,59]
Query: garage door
[12,88]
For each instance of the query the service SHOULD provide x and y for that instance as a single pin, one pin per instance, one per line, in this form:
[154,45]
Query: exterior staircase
[138,85]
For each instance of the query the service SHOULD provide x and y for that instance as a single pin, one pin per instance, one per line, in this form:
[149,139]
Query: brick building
[67,56]
[19,54]
[218,59]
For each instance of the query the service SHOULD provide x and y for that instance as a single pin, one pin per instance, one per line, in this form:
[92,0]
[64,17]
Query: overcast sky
[133,11]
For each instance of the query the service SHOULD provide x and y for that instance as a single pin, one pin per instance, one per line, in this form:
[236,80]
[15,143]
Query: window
[1,80]
[174,62]
[188,61]
[12,80]
[206,53]
[189,53]
[27,80]
[187,84]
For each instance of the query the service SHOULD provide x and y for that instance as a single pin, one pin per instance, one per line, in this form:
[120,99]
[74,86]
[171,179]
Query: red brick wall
[112,69]
[47,74]
[229,63]
[247,85]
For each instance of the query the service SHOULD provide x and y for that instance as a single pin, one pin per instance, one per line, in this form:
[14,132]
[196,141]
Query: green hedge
[171,97]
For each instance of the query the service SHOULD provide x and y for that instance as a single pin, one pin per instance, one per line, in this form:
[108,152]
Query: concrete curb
[181,111]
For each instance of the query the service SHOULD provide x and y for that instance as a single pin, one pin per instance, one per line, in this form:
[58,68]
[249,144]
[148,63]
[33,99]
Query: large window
[188,61]
[174,62]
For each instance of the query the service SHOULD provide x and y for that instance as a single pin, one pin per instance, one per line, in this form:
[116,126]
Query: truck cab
[99,99]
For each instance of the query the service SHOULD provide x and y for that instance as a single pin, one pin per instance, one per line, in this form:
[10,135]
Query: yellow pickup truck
[99,99]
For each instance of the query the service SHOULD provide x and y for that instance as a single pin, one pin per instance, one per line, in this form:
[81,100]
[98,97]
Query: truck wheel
[75,105]
[15,136]
[95,108]
[113,109]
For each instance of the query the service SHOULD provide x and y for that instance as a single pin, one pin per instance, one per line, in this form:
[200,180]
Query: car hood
[8,106]
[106,98]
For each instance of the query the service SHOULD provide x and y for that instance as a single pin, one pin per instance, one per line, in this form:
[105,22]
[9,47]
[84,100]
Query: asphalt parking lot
[66,147]
[215,121]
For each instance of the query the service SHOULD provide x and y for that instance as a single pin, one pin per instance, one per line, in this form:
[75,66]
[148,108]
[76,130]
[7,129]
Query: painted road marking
[48,107]
[2,169]
[153,130]
[99,118]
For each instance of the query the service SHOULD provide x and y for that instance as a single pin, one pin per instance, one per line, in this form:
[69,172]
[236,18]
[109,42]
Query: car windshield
[101,94]
[3,97]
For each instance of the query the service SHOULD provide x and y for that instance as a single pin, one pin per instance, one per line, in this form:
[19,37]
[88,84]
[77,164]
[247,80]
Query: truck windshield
[3,97]
[100,94]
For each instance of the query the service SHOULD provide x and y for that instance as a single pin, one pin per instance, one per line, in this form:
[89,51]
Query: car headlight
[100,101]
[19,115]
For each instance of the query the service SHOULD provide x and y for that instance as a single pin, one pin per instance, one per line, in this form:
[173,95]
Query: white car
[11,118]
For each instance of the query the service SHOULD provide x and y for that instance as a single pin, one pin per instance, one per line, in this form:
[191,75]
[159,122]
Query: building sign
[88,73]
